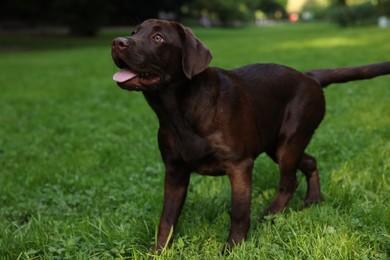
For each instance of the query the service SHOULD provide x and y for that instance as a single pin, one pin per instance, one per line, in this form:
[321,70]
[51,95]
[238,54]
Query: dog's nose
[120,43]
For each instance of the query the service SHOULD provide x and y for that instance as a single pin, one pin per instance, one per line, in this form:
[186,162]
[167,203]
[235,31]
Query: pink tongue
[123,75]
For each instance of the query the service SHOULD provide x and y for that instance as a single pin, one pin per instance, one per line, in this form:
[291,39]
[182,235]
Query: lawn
[81,176]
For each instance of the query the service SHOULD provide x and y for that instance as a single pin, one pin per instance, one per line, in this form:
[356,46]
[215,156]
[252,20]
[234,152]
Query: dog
[216,122]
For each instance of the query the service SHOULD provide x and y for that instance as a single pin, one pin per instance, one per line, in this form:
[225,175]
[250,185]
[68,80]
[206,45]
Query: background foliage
[86,17]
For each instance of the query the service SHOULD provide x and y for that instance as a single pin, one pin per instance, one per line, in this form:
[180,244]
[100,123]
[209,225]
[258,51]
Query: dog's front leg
[240,176]
[175,191]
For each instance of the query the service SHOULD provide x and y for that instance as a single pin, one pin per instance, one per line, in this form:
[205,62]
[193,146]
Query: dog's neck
[164,100]
[182,103]
[180,110]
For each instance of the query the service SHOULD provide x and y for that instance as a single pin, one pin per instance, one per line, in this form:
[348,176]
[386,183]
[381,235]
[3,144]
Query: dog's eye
[132,33]
[158,38]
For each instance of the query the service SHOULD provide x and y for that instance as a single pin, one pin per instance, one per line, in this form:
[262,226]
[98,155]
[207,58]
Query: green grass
[81,176]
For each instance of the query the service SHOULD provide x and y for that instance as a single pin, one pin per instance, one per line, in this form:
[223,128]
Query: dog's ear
[195,55]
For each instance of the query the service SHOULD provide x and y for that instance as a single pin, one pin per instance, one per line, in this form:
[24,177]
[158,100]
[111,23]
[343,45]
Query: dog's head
[157,53]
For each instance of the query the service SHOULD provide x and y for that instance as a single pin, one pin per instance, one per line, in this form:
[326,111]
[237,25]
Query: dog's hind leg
[301,117]
[288,158]
[294,136]
[308,166]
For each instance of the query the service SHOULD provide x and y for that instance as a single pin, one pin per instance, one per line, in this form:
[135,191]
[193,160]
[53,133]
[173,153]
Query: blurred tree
[340,13]
[83,17]
[383,7]
[271,7]
[318,8]
[225,11]
[135,11]
[24,13]
[357,12]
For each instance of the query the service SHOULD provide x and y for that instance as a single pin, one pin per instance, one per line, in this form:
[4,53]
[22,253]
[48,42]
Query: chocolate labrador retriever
[216,122]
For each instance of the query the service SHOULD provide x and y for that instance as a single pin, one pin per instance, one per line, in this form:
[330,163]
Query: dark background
[86,17]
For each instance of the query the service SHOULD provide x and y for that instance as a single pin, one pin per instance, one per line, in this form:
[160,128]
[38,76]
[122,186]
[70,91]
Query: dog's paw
[227,249]
[156,250]
[311,201]
[266,218]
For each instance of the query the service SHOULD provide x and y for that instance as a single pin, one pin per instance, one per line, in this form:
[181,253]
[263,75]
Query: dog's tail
[325,77]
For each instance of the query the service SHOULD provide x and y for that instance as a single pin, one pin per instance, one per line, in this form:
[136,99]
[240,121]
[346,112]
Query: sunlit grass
[81,176]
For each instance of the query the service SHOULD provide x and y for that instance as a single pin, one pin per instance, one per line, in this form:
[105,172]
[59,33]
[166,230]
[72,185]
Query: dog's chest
[202,154]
